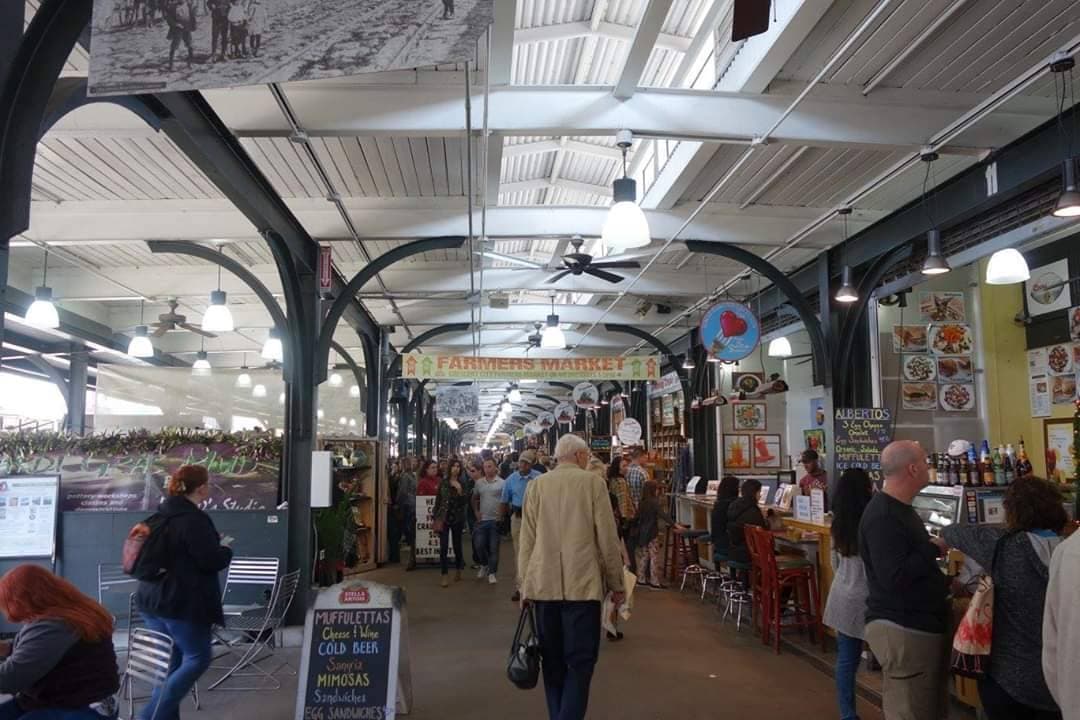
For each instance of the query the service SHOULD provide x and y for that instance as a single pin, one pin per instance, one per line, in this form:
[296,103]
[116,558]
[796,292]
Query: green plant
[331,524]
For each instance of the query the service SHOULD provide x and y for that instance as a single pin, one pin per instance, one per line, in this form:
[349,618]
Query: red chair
[759,607]
[797,574]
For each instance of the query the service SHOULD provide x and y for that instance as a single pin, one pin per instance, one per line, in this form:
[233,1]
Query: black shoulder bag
[523,667]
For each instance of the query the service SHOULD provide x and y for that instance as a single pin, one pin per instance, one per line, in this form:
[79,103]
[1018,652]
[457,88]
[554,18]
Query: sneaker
[492,580]
[481,573]
[445,582]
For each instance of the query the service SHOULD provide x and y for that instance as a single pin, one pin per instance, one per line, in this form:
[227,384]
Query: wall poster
[1059,442]
[28,512]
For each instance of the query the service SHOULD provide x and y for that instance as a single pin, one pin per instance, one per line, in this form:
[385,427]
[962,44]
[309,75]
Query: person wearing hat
[513,498]
[815,478]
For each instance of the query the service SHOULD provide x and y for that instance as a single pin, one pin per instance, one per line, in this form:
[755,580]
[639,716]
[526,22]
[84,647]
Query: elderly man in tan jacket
[568,558]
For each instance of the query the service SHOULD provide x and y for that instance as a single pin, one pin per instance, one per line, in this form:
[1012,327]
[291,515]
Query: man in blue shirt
[513,498]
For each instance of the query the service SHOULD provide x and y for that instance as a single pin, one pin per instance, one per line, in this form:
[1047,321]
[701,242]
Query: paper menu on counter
[817,506]
[802,508]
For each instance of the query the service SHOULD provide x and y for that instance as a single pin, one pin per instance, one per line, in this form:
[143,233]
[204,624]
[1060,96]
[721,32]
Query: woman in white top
[845,610]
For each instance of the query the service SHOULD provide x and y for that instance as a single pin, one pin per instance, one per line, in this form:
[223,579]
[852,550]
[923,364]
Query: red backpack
[144,555]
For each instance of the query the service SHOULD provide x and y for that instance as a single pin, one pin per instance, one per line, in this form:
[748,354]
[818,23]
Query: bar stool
[737,598]
[680,557]
[799,574]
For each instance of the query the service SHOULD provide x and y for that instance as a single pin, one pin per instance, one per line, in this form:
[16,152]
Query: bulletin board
[28,516]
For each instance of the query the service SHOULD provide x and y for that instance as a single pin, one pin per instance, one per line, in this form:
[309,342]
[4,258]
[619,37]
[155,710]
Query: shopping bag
[973,638]
[523,666]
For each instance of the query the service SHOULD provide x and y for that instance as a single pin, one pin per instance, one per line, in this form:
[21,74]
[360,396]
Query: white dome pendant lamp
[626,226]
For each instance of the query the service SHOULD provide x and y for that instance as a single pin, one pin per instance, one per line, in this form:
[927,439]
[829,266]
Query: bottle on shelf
[999,465]
[987,464]
[932,464]
[965,468]
[1010,465]
[1023,463]
[974,476]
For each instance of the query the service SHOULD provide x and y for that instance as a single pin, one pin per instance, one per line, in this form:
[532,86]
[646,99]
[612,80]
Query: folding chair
[257,630]
[257,572]
[148,660]
[135,623]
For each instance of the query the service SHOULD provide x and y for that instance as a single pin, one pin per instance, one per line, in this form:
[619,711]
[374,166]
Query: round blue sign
[729,331]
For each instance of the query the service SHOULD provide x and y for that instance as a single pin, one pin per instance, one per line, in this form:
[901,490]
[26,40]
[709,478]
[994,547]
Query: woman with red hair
[62,665]
[186,601]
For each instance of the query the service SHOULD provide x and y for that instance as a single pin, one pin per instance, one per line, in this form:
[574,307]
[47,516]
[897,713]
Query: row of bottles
[1002,467]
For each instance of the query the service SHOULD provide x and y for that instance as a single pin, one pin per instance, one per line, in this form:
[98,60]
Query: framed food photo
[1058,434]
[737,454]
[1048,289]
[815,440]
[748,416]
[766,451]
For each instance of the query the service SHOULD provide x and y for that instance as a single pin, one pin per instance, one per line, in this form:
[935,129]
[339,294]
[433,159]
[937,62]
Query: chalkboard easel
[355,663]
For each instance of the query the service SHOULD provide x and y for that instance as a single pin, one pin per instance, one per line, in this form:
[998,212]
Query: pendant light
[320,414]
[218,318]
[243,380]
[1068,203]
[847,292]
[281,398]
[259,391]
[201,367]
[625,226]
[343,420]
[354,391]
[515,394]
[1007,267]
[935,262]
[335,380]
[140,345]
[780,348]
[272,349]
[688,358]
[42,312]
[552,337]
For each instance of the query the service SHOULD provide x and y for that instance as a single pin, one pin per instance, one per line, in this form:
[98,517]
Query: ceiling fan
[534,339]
[578,263]
[172,320]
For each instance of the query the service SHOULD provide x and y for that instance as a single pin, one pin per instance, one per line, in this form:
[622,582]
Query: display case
[356,468]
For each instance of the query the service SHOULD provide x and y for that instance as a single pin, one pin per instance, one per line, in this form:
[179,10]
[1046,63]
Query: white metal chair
[114,585]
[258,630]
[148,659]
[257,572]
[136,622]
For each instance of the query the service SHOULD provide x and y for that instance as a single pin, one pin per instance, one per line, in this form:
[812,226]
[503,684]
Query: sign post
[355,655]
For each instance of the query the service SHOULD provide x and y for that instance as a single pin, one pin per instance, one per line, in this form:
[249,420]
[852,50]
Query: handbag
[972,641]
[523,666]
[438,525]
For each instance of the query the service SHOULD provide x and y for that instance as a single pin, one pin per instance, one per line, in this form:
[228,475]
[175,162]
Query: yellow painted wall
[1007,398]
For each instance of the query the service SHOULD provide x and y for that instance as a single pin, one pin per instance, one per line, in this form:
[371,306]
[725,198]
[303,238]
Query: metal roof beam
[601,28]
[645,38]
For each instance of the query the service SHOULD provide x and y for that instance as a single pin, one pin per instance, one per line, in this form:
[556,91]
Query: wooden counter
[824,547]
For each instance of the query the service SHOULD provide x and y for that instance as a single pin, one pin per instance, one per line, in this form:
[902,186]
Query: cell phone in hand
[227,540]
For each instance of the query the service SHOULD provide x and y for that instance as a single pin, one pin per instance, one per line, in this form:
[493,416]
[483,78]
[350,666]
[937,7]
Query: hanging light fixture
[243,380]
[259,391]
[42,312]
[343,420]
[625,226]
[935,262]
[847,292]
[281,398]
[780,347]
[515,394]
[201,367]
[1068,203]
[352,422]
[688,358]
[507,408]
[552,337]
[140,345]
[1007,267]
[688,361]
[354,391]
[272,349]
[320,414]
[218,318]
[335,380]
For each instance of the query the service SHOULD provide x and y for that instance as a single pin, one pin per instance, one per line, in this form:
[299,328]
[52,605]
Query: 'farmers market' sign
[465,367]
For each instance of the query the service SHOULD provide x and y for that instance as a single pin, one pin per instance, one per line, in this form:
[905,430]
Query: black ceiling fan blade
[557,277]
[622,265]
[603,275]
[578,258]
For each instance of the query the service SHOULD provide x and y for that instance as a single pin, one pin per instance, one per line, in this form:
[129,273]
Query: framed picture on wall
[766,451]
[814,440]
[1058,434]
[1048,289]
[737,452]
[748,416]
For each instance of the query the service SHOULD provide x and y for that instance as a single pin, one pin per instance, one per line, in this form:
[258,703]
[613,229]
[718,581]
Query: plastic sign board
[729,331]
[326,269]
[629,432]
[466,367]
[354,663]
[28,513]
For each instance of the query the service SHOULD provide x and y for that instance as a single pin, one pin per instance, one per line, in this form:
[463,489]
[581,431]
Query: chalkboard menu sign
[351,653]
[600,443]
[860,436]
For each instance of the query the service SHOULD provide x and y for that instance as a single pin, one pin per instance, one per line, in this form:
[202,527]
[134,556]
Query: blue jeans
[190,659]
[848,654]
[451,533]
[486,539]
[569,645]
[10,710]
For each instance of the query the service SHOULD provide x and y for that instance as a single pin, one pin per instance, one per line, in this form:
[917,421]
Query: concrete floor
[677,662]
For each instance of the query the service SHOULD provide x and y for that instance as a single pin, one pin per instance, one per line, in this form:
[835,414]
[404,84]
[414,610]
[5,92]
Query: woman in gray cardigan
[845,609]
[1014,686]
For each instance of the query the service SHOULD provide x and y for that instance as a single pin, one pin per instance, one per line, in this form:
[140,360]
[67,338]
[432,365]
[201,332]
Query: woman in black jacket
[725,495]
[186,602]
[743,511]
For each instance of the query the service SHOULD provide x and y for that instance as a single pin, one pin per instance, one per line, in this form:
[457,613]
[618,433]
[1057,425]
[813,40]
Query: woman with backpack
[186,601]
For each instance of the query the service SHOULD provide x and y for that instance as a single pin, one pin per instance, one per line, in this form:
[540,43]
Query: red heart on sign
[731,324]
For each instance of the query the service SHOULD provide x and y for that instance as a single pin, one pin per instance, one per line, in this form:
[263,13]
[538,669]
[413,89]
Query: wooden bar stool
[778,575]
[681,556]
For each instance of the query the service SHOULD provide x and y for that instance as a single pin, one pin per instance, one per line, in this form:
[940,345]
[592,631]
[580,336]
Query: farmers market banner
[467,367]
[128,471]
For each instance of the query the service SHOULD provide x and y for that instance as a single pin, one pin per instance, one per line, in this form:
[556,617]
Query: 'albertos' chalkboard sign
[349,669]
[860,436]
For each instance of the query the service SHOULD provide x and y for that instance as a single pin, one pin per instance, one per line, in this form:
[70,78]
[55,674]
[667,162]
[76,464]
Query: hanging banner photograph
[147,46]
[460,403]
[467,367]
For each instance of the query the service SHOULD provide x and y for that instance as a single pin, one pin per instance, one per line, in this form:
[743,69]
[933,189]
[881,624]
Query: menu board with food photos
[1052,375]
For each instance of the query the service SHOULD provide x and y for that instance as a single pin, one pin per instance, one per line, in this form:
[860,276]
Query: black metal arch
[652,340]
[357,371]
[548,398]
[822,367]
[395,366]
[369,271]
[69,93]
[565,386]
[541,408]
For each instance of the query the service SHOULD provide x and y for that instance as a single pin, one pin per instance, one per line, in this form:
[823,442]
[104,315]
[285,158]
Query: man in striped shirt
[636,478]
